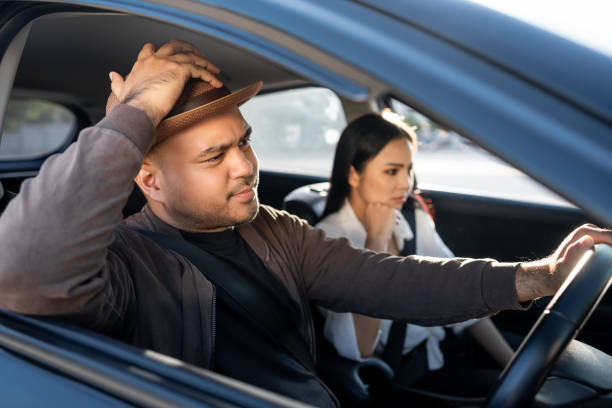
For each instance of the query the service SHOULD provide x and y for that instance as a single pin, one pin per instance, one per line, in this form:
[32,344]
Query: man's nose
[241,166]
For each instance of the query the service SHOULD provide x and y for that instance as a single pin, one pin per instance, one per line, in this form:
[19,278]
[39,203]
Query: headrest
[307,202]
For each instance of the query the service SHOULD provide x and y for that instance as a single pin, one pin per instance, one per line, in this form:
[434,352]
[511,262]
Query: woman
[372,181]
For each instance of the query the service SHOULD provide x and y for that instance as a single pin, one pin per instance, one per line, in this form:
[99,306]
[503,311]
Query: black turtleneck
[242,350]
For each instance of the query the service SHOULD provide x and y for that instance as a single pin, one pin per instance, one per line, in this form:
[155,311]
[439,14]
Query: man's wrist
[152,114]
[533,280]
[132,122]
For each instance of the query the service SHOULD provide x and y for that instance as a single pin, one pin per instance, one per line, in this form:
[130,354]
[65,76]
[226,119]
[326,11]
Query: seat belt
[242,295]
[392,355]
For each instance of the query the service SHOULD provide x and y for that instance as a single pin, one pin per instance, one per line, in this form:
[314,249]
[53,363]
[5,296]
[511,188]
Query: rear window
[35,128]
[296,131]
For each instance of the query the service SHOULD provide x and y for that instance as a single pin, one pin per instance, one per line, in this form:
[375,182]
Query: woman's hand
[378,221]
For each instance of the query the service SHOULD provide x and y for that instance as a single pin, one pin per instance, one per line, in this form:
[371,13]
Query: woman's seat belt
[392,354]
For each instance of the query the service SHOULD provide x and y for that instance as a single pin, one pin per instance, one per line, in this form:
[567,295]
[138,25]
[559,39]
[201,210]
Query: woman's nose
[406,182]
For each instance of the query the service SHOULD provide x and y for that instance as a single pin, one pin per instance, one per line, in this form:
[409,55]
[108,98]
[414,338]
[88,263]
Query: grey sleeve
[421,290]
[55,235]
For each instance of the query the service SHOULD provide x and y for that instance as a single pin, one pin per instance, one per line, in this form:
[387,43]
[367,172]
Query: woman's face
[387,178]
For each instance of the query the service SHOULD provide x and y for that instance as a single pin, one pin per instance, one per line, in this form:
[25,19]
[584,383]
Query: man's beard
[197,218]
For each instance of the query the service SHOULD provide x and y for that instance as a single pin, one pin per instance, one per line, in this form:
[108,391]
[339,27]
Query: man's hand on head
[159,76]
[545,277]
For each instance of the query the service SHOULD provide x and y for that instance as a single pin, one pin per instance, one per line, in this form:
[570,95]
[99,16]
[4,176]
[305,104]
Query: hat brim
[184,120]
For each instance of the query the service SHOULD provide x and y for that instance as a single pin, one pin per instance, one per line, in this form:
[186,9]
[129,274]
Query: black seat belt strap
[241,295]
[392,355]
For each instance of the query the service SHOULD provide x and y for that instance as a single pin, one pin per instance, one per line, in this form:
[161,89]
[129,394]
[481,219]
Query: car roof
[78,51]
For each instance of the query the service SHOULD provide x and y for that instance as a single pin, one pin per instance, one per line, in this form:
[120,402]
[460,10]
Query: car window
[296,130]
[34,128]
[447,161]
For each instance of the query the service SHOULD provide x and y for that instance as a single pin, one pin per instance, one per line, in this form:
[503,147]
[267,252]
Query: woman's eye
[391,172]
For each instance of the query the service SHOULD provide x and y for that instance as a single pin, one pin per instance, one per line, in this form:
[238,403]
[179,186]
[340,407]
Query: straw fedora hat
[198,100]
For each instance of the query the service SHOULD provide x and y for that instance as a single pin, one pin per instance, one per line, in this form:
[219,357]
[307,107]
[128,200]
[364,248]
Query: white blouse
[339,328]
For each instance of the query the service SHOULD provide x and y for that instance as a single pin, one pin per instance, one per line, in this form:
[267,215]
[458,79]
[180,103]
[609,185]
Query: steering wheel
[558,324]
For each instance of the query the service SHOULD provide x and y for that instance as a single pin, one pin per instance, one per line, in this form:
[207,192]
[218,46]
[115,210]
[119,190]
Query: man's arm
[55,235]
[430,291]
[423,290]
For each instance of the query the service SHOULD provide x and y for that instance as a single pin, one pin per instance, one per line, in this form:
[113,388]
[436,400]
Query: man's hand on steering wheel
[544,277]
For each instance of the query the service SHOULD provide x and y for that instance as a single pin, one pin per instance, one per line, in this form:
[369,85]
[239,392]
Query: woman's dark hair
[361,141]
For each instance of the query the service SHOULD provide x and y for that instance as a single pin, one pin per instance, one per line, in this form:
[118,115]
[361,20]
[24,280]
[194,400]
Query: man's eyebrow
[221,147]
[247,132]
[212,150]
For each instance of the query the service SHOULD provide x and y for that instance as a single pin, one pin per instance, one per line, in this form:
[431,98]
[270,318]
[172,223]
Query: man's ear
[354,178]
[148,179]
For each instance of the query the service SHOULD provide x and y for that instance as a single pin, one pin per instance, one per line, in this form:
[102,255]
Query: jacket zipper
[213,319]
[307,316]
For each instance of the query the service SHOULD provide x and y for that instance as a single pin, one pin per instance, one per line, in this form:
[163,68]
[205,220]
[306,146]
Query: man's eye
[214,159]
[245,142]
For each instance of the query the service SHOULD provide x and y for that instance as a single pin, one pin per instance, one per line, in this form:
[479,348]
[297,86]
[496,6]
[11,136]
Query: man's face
[208,175]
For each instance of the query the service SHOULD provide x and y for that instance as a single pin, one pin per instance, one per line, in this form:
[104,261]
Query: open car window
[296,130]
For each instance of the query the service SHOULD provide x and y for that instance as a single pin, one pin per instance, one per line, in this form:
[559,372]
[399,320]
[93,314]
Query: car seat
[5,197]
[135,202]
[307,202]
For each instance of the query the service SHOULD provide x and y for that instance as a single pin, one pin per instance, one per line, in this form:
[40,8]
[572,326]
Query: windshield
[585,22]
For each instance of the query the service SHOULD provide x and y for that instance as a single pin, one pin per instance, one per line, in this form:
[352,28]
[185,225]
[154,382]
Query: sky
[584,21]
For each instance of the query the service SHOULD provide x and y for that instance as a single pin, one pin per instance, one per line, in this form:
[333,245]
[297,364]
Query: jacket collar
[147,220]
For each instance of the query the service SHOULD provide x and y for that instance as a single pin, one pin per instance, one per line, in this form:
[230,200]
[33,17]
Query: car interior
[66,59]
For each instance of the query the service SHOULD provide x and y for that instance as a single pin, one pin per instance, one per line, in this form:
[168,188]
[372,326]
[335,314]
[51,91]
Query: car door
[416,71]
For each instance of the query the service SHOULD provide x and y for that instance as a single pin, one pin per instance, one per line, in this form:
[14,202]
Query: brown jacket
[66,252]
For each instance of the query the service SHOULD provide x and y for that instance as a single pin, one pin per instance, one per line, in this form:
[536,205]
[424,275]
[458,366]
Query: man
[75,258]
